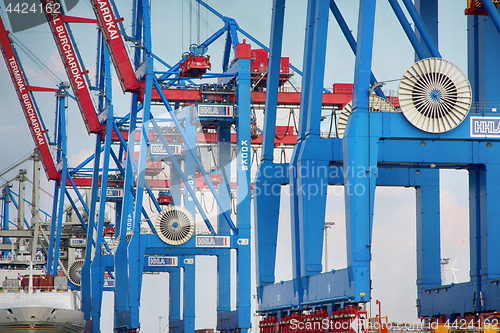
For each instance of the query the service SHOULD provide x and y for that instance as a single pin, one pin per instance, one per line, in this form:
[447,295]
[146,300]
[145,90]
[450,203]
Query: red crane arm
[72,67]
[25,98]
[107,22]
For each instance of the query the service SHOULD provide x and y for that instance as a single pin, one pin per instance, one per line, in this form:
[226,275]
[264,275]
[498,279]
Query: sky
[393,265]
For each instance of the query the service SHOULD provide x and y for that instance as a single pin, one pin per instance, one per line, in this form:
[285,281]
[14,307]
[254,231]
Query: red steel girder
[73,68]
[153,183]
[108,24]
[27,103]
[258,97]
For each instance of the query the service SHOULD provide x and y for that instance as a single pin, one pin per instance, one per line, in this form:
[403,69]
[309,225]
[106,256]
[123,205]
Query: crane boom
[108,24]
[73,67]
[27,103]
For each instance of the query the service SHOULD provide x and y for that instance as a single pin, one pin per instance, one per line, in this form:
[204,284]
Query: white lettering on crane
[191,184]
[244,155]
[129,222]
[107,16]
[17,74]
[26,100]
[72,65]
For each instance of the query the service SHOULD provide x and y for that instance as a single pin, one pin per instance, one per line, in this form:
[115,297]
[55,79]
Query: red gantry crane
[76,76]
[28,105]
[108,24]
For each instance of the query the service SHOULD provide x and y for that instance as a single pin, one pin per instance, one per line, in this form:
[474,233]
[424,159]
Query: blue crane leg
[490,228]
[224,190]
[174,285]
[428,10]
[428,229]
[312,164]
[243,196]
[267,192]
[360,161]
[493,13]
[135,250]
[189,295]
[86,274]
[175,187]
[52,225]
[121,262]
[98,263]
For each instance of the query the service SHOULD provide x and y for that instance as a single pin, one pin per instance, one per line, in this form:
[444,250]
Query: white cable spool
[175,225]
[435,95]
[377,104]
[75,272]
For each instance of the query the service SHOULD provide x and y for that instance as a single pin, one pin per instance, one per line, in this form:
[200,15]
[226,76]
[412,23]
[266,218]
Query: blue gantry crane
[435,130]
[444,121]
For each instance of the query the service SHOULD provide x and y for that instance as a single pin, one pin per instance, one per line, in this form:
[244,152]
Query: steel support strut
[243,269]
[360,154]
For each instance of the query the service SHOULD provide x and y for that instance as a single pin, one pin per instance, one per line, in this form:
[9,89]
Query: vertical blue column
[98,263]
[312,164]
[121,261]
[5,226]
[86,270]
[174,288]
[190,167]
[428,229]
[301,135]
[428,10]
[135,250]
[175,187]
[267,192]
[483,66]
[64,176]
[52,225]
[490,228]
[243,55]
[189,293]
[224,190]
[478,231]
[360,161]
[476,180]
[190,271]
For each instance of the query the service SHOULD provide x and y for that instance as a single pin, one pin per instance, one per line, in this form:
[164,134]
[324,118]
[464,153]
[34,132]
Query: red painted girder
[27,103]
[73,68]
[153,183]
[289,139]
[258,97]
[109,28]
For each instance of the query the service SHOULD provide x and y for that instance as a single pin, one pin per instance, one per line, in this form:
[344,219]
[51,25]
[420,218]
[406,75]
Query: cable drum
[75,272]
[175,225]
[377,104]
[435,95]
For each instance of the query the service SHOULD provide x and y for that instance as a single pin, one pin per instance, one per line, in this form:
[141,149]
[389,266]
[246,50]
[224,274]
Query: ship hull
[41,319]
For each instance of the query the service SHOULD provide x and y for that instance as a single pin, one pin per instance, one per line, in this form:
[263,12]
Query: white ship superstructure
[31,301]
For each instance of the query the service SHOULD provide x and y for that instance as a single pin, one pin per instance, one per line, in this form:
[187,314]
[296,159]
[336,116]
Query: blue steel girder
[428,11]
[360,154]
[192,152]
[97,266]
[224,190]
[86,269]
[243,195]
[422,29]
[184,177]
[134,248]
[311,148]
[421,53]
[493,13]
[351,40]
[269,204]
